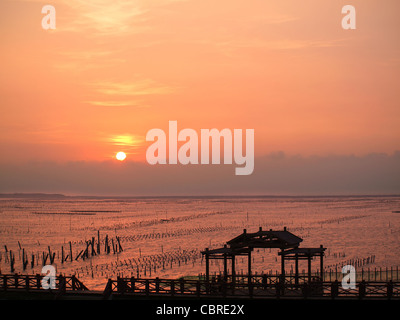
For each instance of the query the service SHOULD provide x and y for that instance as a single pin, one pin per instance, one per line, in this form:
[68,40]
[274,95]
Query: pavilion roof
[266,239]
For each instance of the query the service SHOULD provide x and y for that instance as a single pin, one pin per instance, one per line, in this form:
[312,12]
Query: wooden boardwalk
[256,287]
[15,285]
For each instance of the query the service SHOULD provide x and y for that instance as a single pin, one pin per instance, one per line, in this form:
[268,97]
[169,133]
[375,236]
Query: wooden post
[92,243]
[309,267]
[106,244]
[121,285]
[387,278]
[132,284]
[77,257]
[16,276]
[278,288]
[198,288]
[12,261]
[73,283]
[70,251]
[98,241]
[282,263]
[391,272]
[296,269]
[389,291]
[62,285]
[5,282]
[119,245]
[108,290]
[334,289]
[361,289]
[23,259]
[147,287]
[38,281]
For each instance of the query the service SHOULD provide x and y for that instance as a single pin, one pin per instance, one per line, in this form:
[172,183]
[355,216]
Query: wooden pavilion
[243,245]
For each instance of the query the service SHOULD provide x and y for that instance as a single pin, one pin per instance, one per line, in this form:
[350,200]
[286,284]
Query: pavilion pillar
[249,266]
[225,267]
[296,269]
[282,264]
[233,274]
[233,270]
[207,266]
[321,263]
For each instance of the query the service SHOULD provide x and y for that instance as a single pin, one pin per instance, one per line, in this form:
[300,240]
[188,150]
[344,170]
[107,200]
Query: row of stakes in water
[93,248]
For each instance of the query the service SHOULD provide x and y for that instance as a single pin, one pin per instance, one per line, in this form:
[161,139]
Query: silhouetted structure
[244,244]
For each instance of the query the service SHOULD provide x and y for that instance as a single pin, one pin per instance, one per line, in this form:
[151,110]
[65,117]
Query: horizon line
[61,195]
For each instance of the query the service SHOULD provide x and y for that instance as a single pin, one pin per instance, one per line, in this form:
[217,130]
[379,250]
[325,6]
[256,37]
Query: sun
[120,156]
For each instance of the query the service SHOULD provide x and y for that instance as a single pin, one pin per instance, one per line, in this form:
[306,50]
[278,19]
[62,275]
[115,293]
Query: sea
[98,238]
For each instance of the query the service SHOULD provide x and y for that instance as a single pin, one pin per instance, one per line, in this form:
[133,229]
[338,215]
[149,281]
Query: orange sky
[112,70]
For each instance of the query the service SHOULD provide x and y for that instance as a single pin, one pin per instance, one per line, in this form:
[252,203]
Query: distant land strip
[67,213]
[59,196]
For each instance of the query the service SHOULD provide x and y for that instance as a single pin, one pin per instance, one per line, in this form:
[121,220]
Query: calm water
[163,236]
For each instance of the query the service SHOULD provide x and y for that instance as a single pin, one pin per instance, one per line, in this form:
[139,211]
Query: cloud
[121,93]
[282,44]
[121,103]
[99,17]
[123,140]
[133,88]
[275,174]
[107,18]
[104,17]
[128,143]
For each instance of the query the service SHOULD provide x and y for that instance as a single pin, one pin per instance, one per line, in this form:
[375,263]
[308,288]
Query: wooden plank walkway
[15,286]
[179,288]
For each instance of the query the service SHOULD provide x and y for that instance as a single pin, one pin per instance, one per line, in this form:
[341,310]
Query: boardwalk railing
[33,282]
[155,286]
[268,289]
[367,274]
